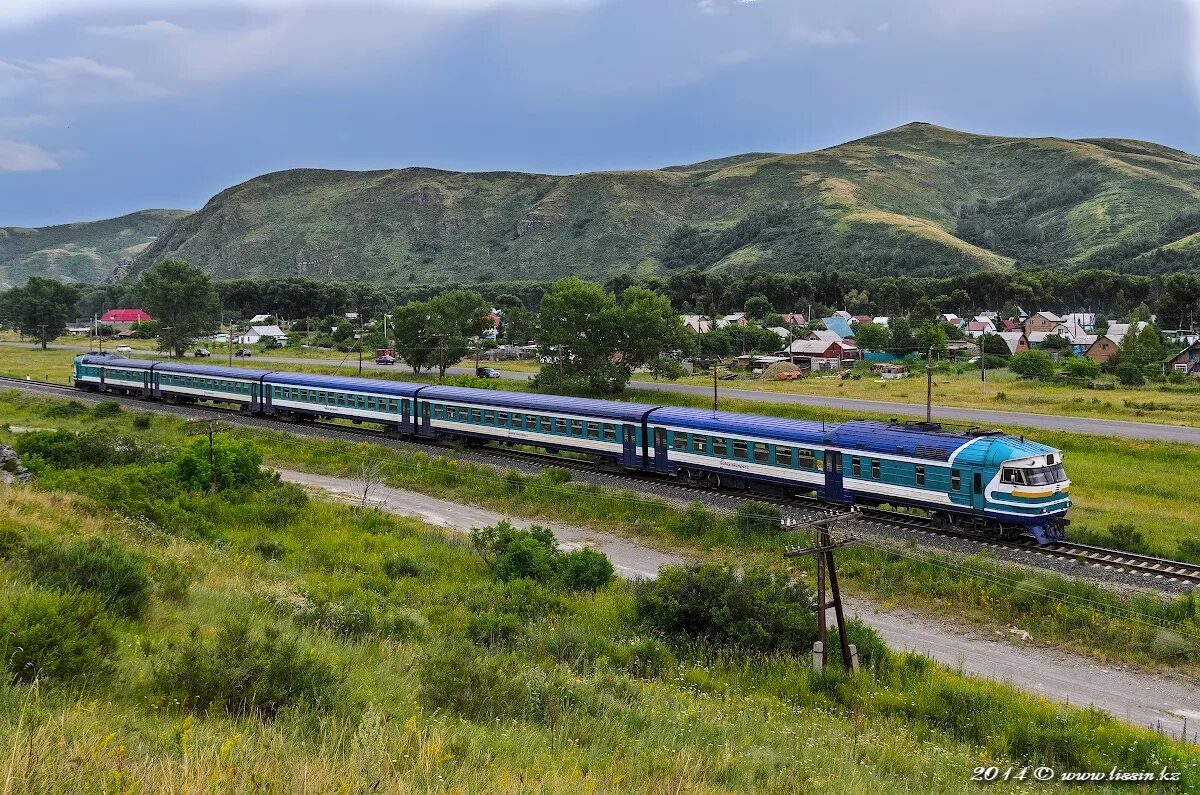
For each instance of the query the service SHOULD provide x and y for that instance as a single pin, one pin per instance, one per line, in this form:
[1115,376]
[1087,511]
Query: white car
[124,349]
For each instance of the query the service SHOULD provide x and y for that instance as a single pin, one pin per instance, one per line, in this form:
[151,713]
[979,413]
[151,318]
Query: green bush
[1129,374]
[458,680]
[106,408]
[245,673]
[645,659]
[577,647]
[141,422]
[525,557]
[100,565]
[399,566]
[1031,364]
[68,410]
[172,578]
[1081,367]
[695,521]
[492,629]
[238,464]
[1126,536]
[491,542]
[757,611]
[53,636]
[270,549]
[584,570]
[70,450]
[757,518]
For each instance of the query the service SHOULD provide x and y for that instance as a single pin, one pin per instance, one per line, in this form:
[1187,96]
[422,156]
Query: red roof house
[125,316]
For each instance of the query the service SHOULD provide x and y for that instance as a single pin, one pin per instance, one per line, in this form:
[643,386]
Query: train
[981,481]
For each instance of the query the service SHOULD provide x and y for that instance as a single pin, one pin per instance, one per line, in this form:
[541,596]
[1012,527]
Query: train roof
[722,422]
[317,381]
[214,370]
[116,360]
[532,401]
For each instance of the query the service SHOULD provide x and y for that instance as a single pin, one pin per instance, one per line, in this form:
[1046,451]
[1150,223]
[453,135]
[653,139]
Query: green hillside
[918,199]
[80,252]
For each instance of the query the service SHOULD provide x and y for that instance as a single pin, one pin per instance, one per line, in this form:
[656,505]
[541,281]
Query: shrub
[270,549]
[584,570]
[70,450]
[238,464]
[1189,549]
[106,408]
[491,542]
[72,408]
[1129,374]
[557,475]
[45,635]
[514,481]
[756,518]
[525,557]
[758,611]
[400,566]
[172,578]
[404,623]
[458,680]
[1126,536]
[101,565]
[645,659]
[245,673]
[1031,364]
[1081,367]
[141,422]
[492,629]
[695,521]
[576,646]
[872,651]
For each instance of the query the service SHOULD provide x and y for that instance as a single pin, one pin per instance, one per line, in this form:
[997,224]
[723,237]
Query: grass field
[389,672]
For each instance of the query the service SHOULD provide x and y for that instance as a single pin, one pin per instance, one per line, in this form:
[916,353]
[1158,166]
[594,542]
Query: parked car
[385,359]
[201,353]
[242,353]
[487,372]
[124,349]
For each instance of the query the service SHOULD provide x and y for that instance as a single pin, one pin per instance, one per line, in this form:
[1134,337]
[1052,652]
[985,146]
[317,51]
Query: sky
[111,106]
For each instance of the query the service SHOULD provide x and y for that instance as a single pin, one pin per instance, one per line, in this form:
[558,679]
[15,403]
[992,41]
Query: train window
[577,427]
[610,433]
[700,444]
[955,480]
[762,453]
[518,420]
[476,415]
[875,468]
[593,430]
[1012,475]
[855,467]
[502,418]
[739,449]
[720,447]
[679,441]
[783,456]
[920,474]
[807,459]
[560,426]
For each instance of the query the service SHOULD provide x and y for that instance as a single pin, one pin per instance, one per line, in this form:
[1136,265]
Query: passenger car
[243,353]
[487,372]
[201,353]
[124,349]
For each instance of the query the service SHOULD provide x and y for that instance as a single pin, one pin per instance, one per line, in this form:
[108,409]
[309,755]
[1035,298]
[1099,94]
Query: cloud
[25,121]
[153,28]
[16,156]
[73,79]
[822,37]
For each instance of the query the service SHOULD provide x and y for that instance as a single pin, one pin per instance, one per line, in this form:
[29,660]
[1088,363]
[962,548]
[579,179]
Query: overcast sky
[109,106]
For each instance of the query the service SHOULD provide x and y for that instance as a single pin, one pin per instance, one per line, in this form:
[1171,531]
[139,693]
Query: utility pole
[229,342]
[42,330]
[822,550]
[477,346]
[983,357]
[209,428]
[929,387]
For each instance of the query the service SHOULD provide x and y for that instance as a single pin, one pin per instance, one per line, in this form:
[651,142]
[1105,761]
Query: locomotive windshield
[1034,476]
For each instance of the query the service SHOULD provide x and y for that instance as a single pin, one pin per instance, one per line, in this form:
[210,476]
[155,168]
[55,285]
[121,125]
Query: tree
[931,336]
[994,345]
[411,330]
[872,336]
[182,300]
[41,308]
[1032,364]
[923,313]
[757,307]
[1081,367]
[902,337]
[1140,347]
[455,318]
[1056,342]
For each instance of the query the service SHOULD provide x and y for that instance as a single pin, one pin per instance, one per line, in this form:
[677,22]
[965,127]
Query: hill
[918,199]
[80,252]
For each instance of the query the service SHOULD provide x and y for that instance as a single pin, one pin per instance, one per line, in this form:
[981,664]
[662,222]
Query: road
[1138,698]
[984,417]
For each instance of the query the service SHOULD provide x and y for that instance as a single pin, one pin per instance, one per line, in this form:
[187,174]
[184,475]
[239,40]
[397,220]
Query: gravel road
[1144,699]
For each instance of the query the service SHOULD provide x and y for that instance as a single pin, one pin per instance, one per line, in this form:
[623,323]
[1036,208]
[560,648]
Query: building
[838,325]
[697,323]
[951,318]
[124,317]
[1187,361]
[890,371]
[258,320]
[257,334]
[794,319]
[738,319]
[784,334]
[1041,321]
[819,354]
[977,328]
[1015,340]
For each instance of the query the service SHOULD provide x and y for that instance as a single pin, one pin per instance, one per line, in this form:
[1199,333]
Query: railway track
[801,510]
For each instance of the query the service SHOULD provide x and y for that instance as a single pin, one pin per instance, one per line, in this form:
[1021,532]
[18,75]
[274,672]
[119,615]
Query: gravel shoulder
[1144,699]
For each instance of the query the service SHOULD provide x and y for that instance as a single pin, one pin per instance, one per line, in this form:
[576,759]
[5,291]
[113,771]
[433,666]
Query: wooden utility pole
[929,387]
[208,428]
[822,550]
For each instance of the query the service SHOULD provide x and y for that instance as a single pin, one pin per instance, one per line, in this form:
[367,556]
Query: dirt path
[1144,699]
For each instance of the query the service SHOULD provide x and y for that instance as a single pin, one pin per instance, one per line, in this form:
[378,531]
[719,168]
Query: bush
[645,659]
[1031,364]
[492,629]
[101,565]
[1129,374]
[70,450]
[142,422]
[106,408]
[404,624]
[525,557]
[1081,367]
[491,542]
[245,673]
[1127,537]
[458,680]
[68,410]
[577,647]
[695,521]
[757,518]
[172,578]
[584,570]
[51,636]
[758,611]
[238,464]
[270,549]
[399,566]
[872,651]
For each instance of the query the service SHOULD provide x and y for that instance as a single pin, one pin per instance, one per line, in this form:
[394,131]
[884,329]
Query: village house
[1187,361]
[838,325]
[256,334]
[794,319]
[124,317]
[890,371]
[977,328]
[697,323]
[1041,321]
[1106,345]
[1015,340]
[821,354]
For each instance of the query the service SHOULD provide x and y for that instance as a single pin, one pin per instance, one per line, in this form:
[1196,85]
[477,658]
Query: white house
[257,333]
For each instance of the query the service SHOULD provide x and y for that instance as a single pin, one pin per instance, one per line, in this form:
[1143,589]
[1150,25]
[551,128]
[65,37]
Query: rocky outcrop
[531,223]
[11,470]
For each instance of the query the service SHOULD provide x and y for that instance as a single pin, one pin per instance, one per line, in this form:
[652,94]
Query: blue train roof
[115,360]
[377,386]
[722,422]
[530,401]
[213,370]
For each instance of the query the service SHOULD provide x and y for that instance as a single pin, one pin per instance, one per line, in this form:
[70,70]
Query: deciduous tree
[182,300]
[41,308]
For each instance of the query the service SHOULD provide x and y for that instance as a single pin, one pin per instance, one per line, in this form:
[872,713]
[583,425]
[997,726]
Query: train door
[425,429]
[834,489]
[629,442]
[977,497]
[260,398]
[146,383]
[405,423]
[660,450]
